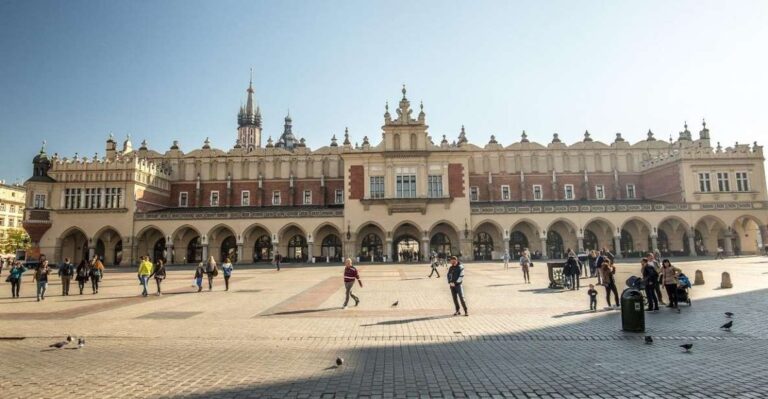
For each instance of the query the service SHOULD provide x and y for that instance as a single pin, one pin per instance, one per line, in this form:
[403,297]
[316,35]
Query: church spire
[249,104]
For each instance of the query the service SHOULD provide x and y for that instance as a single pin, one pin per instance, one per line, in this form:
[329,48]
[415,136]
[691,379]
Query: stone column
[581,243]
[310,245]
[424,248]
[763,238]
[168,251]
[506,248]
[205,252]
[240,253]
[388,250]
[654,243]
[91,252]
[691,243]
[544,247]
[728,244]
[617,244]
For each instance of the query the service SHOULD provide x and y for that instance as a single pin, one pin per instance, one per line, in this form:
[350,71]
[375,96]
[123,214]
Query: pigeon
[80,342]
[727,326]
[648,339]
[728,314]
[62,344]
[395,304]
[339,361]
[687,347]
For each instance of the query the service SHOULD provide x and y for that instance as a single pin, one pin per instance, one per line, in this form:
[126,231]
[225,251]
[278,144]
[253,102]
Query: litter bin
[632,312]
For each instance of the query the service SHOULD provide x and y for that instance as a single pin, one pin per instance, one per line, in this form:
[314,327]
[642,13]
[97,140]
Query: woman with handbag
[15,278]
[96,271]
[609,281]
[159,274]
[212,270]
[81,275]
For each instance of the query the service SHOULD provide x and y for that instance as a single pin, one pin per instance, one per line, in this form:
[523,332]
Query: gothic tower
[249,123]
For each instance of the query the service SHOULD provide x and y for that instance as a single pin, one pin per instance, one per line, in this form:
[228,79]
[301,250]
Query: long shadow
[504,285]
[544,291]
[406,321]
[295,312]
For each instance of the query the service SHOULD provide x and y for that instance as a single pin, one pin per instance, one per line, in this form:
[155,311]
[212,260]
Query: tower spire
[249,103]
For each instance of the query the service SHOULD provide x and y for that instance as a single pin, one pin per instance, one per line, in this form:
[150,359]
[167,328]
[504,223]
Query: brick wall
[661,184]
[456,180]
[150,201]
[357,183]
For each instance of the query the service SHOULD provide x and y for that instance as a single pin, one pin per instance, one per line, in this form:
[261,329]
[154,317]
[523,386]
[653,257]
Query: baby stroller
[683,284]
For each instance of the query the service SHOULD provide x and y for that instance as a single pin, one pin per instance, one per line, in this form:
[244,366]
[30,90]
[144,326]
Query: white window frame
[276,197]
[245,198]
[12,208]
[376,187]
[742,182]
[183,199]
[506,193]
[435,186]
[307,198]
[405,185]
[11,222]
[339,196]
[600,191]
[631,191]
[214,193]
[538,192]
[474,193]
[39,201]
[565,192]
[705,182]
[723,182]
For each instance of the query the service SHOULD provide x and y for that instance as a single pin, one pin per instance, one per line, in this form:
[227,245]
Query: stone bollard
[726,282]
[699,280]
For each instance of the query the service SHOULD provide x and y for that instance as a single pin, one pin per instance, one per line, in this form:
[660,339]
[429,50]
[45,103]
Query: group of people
[209,269]
[92,270]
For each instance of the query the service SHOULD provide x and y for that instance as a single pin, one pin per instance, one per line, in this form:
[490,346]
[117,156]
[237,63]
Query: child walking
[199,273]
[592,297]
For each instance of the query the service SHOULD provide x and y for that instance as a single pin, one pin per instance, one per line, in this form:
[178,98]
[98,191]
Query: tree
[14,239]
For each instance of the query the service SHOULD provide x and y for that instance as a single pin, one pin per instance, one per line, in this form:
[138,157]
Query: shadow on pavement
[406,321]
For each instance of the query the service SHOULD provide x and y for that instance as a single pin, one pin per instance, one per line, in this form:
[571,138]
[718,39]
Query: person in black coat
[455,280]
[651,280]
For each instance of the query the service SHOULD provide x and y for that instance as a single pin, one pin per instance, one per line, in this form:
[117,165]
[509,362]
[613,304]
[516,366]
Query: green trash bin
[632,312]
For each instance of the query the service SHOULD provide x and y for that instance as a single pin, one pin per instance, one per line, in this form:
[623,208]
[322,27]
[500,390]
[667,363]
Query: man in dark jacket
[651,280]
[573,272]
[455,280]
[66,270]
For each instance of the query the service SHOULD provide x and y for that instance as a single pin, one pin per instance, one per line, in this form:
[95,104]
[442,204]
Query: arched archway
[222,243]
[634,238]
[444,239]
[187,245]
[293,243]
[746,235]
[518,242]
[158,251]
[524,234]
[406,244]
[370,243]
[228,250]
[555,245]
[672,237]
[487,236]
[483,246]
[440,245]
[561,237]
[327,245]
[598,234]
[711,234]
[257,244]
[591,242]
[74,245]
[262,249]
[109,246]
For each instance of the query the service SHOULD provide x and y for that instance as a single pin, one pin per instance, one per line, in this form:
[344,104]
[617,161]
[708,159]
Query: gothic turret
[41,164]
[287,139]
[249,122]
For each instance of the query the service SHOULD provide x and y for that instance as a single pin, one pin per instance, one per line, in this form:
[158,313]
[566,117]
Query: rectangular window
[538,193]
[742,182]
[339,196]
[2,207]
[113,197]
[435,186]
[183,199]
[307,197]
[506,194]
[704,183]
[276,197]
[2,221]
[474,193]
[39,201]
[11,222]
[72,198]
[723,182]
[405,186]
[631,191]
[245,198]
[214,198]
[12,209]
[377,187]
[600,192]
[568,190]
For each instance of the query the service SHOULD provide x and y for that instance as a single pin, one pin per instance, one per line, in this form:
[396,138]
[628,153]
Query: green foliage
[14,239]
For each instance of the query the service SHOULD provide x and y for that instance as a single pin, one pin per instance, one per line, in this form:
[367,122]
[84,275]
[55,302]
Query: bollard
[726,282]
[699,280]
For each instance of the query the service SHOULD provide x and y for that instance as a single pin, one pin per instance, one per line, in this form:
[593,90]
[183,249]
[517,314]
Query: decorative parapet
[245,213]
[637,206]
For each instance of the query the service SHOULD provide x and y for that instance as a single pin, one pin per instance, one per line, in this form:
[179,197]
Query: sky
[73,71]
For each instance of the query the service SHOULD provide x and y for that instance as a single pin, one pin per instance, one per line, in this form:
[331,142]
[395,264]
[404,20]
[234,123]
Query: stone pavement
[276,334]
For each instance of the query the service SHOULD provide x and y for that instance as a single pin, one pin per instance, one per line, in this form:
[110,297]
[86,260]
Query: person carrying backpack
[651,280]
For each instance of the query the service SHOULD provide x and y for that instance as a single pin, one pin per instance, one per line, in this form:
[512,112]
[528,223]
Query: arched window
[371,248]
[440,244]
[414,144]
[483,246]
[590,240]
[396,140]
[194,251]
[662,241]
[555,248]
[262,249]
[228,250]
[517,243]
[331,247]
[627,243]
[297,248]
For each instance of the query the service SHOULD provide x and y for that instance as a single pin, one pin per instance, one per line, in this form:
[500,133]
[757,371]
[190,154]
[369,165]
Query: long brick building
[399,198]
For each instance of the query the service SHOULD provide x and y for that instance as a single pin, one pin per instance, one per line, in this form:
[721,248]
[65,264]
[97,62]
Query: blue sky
[73,71]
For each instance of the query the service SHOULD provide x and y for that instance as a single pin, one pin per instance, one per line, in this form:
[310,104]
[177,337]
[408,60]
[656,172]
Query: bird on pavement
[59,345]
[728,314]
[727,326]
[80,342]
[687,347]
[395,304]
[339,361]
[648,339]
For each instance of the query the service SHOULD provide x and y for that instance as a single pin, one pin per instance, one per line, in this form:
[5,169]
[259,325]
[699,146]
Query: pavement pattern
[277,335]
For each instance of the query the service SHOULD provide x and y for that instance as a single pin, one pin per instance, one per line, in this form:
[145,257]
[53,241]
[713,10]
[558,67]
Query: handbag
[215,271]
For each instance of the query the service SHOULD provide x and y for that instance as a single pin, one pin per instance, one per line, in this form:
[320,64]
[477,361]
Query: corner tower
[249,122]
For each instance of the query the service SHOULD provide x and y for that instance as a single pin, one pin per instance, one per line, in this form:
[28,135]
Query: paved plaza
[277,334]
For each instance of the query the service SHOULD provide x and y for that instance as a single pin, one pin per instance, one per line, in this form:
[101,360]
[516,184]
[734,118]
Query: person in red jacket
[350,275]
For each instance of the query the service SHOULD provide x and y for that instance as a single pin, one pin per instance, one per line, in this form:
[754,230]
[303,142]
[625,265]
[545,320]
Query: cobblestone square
[277,334]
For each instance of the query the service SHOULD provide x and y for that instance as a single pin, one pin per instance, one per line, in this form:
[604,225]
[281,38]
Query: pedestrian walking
[583,267]
[525,263]
[505,257]
[575,272]
[159,274]
[654,261]
[66,270]
[14,277]
[96,272]
[227,269]
[350,275]
[41,277]
[434,265]
[211,270]
[145,270]
[456,281]
[609,282]
[592,259]
[592,292]
[81,274]
[277,259]
[669,278]
[199,273]
[651,280]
